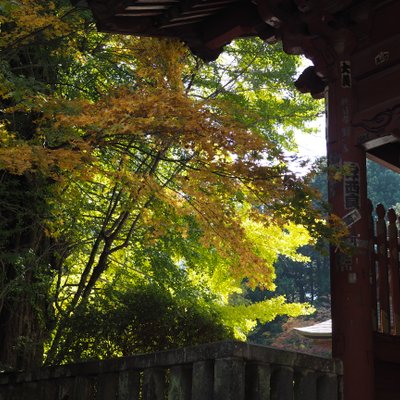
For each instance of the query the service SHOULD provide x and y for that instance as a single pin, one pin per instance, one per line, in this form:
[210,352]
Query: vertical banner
[351,182]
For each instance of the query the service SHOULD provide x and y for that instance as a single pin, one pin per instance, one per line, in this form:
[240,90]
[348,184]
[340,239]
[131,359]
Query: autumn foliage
[142,180]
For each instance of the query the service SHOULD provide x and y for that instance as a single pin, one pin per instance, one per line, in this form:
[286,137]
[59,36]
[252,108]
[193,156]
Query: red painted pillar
[350,283]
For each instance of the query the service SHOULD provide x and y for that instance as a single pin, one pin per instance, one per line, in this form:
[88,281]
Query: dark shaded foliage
[142,318]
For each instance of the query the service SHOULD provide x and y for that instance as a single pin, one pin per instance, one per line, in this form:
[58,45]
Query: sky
[312,146]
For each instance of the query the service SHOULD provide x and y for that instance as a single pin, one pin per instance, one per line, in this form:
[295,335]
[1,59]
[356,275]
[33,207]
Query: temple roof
[323,330]
[207,25]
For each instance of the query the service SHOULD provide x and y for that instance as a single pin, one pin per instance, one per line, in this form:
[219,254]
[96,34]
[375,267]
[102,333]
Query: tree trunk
[24,272]
[21,334]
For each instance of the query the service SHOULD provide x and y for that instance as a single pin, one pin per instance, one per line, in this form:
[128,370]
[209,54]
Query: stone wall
[218,371]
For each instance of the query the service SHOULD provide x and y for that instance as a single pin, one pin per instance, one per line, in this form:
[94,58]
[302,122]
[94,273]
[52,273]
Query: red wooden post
[373,271]
[394,272]
[350,275]
[383,271]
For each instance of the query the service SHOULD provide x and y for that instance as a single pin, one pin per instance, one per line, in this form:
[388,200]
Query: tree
[112,167]
[383,185]
[253,81]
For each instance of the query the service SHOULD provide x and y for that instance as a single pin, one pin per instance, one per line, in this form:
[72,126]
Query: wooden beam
[222,28]
[387,155]
[387,348]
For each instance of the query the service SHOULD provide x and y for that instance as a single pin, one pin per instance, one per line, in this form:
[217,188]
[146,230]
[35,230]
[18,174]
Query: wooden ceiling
[207,25]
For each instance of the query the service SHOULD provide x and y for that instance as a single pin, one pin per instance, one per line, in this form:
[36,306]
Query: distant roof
[322,330]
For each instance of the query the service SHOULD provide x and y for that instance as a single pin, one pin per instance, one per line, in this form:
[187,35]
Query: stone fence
[218,371]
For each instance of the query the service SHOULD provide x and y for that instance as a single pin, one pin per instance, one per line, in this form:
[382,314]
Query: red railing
[385,271]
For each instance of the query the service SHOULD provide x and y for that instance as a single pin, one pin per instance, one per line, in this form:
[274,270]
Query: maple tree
[129,162]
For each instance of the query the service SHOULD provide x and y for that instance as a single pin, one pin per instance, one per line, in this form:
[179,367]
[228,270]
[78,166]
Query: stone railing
[217,371]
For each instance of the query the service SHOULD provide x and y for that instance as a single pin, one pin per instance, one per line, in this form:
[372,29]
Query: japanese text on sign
[345,74]
[351,186]
[352,217]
